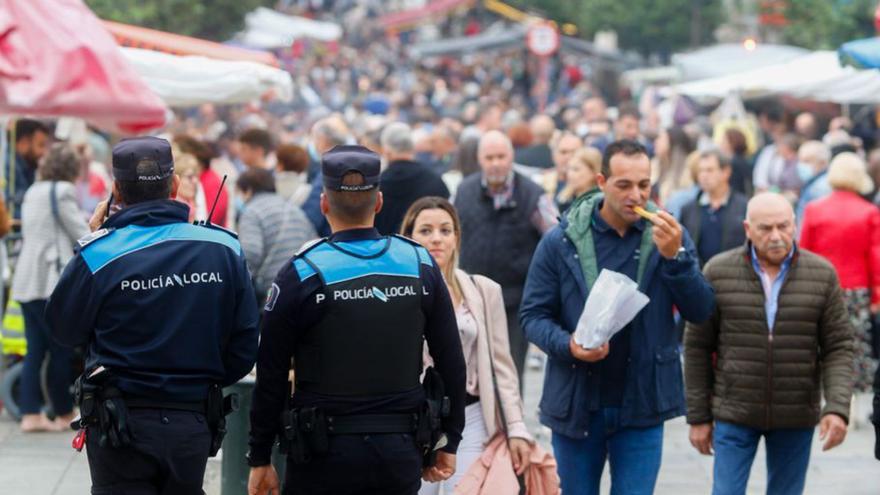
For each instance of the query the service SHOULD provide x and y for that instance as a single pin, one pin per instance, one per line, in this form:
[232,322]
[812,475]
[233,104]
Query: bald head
[495,138]
[770,227]
[768,204]
[542,127]
[495,154]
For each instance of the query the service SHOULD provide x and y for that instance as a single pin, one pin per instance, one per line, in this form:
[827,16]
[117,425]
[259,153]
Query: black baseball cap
[342,159]
[155,152]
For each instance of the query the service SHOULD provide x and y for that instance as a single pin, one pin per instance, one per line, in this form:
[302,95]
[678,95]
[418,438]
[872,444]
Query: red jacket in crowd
[845,229]
[210,185]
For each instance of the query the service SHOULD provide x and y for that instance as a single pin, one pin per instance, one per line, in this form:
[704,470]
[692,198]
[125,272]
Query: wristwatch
[680,255]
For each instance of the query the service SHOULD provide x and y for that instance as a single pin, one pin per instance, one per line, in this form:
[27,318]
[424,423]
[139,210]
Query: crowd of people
[511,181]
[760,256]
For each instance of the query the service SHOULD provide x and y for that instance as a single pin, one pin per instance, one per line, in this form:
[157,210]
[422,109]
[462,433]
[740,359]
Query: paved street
[44,464]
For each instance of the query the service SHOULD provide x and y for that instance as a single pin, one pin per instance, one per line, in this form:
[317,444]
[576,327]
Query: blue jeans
[633,454]
[788,455]
[58,372]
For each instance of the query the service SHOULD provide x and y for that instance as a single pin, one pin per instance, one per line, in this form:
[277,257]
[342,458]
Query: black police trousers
[383,464]
[167,455]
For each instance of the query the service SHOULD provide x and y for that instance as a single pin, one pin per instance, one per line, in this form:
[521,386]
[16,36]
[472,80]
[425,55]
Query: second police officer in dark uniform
[168,313]
[353,311]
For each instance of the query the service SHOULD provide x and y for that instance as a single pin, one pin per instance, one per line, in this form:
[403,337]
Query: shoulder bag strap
[53,202]
[491,358]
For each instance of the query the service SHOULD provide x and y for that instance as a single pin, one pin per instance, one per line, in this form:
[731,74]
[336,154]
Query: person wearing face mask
[813,157]
[482,325]
[503,215]
[844,228]
[270,228]
[610,403]
[778,340]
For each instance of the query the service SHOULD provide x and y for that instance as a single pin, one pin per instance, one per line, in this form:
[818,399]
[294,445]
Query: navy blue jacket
[293,308]
[167,306]
[554,298]
[312,207]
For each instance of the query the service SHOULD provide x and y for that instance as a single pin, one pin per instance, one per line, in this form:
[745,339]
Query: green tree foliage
[826,24]
[649,26]
[215,20]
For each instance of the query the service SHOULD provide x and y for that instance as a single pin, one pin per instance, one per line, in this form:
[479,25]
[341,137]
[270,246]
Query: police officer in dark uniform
[168,314]
[353,311]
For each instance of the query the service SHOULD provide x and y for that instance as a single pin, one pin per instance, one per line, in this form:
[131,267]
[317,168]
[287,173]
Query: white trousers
[473,440]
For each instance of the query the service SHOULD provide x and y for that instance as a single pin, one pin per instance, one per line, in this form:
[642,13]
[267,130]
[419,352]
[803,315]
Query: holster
[217,407]
[102,406]
[305,434]
[429,435]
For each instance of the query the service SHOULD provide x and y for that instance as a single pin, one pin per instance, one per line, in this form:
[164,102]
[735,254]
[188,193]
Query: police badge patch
[272,297]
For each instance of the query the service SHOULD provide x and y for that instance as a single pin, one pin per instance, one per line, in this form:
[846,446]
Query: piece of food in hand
[647,215]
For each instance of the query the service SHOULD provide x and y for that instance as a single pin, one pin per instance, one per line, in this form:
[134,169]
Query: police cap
[342,159]
[142,159]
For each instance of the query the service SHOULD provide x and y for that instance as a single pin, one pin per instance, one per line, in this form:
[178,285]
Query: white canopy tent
[731,58]
[191,80]
[268,29]
[816,76]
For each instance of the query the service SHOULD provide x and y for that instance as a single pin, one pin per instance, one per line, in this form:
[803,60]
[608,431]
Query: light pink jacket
[483,297]
[492,473]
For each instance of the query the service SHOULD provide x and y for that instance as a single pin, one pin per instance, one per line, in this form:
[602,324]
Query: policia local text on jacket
[353,311]
[155,299]
[168,312]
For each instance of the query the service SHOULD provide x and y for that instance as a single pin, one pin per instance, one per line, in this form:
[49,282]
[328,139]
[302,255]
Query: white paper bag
[613,302]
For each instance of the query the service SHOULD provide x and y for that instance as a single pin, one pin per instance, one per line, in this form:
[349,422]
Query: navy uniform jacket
[167,306]
[292,308]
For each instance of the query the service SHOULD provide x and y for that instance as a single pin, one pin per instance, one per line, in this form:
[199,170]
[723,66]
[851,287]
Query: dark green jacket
[737,371]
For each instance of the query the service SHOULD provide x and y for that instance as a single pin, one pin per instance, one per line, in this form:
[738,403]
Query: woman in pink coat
[479,309]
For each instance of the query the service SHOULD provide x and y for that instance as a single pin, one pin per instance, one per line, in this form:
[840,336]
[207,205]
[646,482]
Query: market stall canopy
[862,54]
[732,58]
[817,76]
[412,17]
[175,44]
[492,39]
[509,37]
[56,59]
[267,28]
[184,81]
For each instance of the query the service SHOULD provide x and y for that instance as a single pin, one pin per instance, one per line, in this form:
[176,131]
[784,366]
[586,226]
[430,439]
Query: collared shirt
[772,287]
[711,227]
[546,214]
[619,254]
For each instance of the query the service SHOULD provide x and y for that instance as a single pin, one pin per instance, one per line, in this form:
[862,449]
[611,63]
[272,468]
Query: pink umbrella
[57,59]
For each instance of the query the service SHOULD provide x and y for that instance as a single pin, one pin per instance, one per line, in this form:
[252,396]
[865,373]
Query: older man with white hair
[778,340]
[404,180]
[503,215]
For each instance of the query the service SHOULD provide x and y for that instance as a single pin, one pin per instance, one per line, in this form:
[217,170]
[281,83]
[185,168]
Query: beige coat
[494,323]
